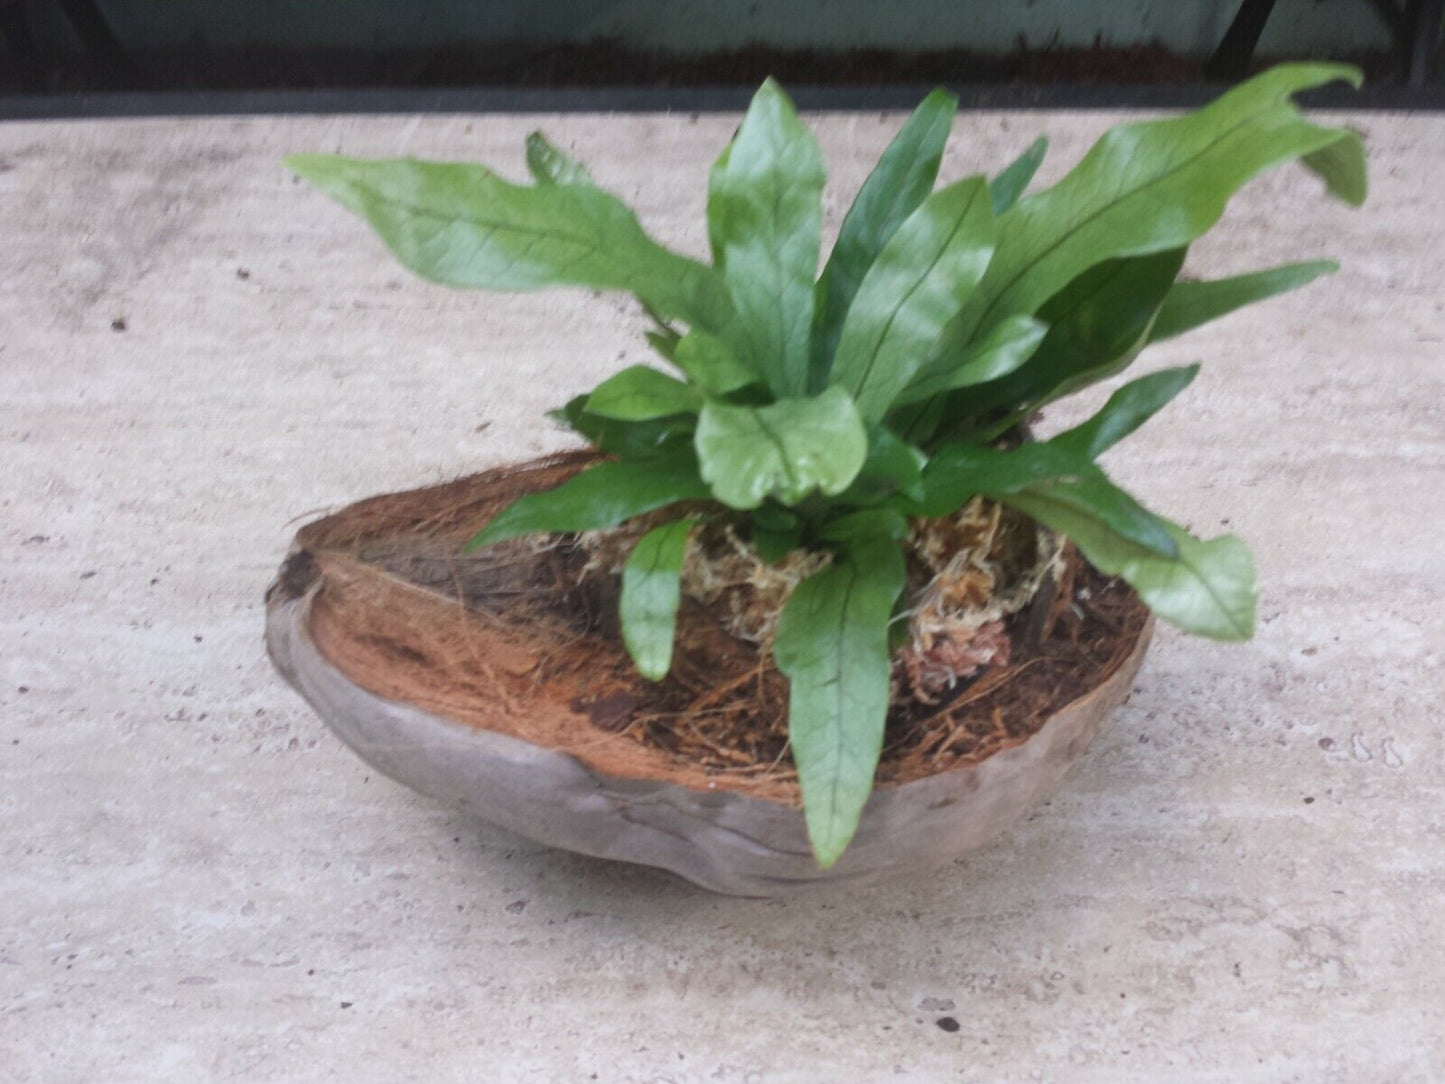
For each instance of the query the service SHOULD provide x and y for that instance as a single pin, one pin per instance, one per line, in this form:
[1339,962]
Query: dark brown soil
[509,638]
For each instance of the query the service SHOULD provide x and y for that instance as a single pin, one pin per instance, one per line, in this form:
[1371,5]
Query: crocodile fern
[827,410]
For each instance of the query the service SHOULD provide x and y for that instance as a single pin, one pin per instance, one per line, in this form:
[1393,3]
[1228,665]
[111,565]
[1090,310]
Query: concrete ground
[1242,882]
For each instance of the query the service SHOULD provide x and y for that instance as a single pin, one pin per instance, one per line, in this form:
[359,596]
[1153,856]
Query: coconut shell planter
[811,603]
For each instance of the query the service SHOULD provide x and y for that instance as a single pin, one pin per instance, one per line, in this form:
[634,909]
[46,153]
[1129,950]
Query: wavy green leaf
[1204,587]
[773,546]
[1097,326]
[891,466]
[639,393]
[1006,347]
[627,440]
[710,365]
[866,524]
[1157,185]
[959,472]
[765,219]
[1207,588]
[900,181]
[917,422]
[601,496]
[776,532]
[917,284]
[651,592]
[548,165]
[462,225]
[1190,304]
[664,341]
[1127,409]
[1009,185]
[832,644]
[786,450]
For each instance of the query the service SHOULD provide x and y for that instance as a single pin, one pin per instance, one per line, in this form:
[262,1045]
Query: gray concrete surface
[1242,882]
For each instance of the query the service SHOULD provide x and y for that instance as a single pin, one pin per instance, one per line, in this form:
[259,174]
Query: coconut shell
[512,752]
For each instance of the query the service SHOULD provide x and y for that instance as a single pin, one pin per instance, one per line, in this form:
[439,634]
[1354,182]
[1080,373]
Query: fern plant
[826,411]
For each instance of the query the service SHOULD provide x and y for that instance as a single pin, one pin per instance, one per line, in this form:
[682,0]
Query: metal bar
[1231,60]
[1423,17]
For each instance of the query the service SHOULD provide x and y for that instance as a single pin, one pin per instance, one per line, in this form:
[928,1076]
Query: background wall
[1188,27]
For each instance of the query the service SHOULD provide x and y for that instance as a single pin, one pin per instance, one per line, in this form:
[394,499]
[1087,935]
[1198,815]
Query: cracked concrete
[1241,881]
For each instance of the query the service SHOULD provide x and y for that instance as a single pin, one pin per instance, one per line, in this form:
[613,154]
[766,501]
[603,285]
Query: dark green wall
[1191,27]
